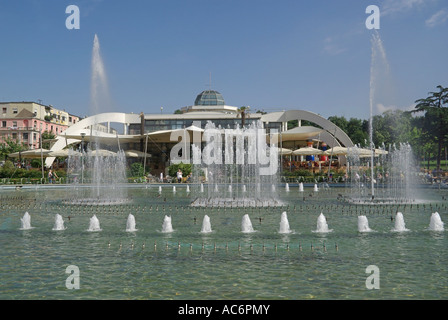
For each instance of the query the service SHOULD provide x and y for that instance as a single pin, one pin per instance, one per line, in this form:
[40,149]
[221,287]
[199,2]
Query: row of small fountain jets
[435,224]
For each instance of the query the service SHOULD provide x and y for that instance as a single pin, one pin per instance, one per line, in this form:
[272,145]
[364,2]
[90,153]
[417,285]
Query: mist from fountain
[232,161]
[130,223]
[363,224]
[206,225]
[105,175]
[26,222]
[246,224]
[94,224]
[167,227]
[58,223]
[436,223]
[284,224]
[322,226]
[400,225]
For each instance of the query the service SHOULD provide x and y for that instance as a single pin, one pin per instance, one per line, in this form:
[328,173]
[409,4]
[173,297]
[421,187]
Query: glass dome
[209,98]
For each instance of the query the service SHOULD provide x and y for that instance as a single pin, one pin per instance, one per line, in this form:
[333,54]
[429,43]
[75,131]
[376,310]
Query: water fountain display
[246,224]
[400,225]
[363,224]
[206,225]
[94,224]
[167,227]
[284,224]
[436,223]
[58,223]
[290,260]
[130,223]
[322,225]
[26,222]
[241,170]
[101,174]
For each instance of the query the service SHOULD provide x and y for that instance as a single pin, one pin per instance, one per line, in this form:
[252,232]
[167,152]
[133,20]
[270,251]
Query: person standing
[179,176]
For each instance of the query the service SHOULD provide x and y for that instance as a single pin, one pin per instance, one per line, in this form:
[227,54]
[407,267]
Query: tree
[435,121]
[11,146]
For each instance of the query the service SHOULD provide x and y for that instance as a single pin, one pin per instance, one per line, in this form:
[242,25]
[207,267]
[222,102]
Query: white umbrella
[63,153]
[102,153]
[136,154]
[307,151]
[30,154]
[336,151]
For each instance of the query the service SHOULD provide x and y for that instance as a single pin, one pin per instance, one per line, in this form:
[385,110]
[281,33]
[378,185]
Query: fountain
[246,224]
[26,222]
[94,224]
[284,224]
[58,223]
[322,226]
[104,172]
[400,226]
[245,168]
[166,226]
[436,223]
[130,223]
[206,225]
[287,187]
[301,187]
[363,224]
[316,189]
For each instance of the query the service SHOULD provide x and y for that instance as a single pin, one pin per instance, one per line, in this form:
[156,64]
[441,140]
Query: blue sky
[270,55]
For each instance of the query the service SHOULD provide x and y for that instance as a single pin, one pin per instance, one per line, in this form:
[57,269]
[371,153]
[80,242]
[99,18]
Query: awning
[298,134]
[30,154]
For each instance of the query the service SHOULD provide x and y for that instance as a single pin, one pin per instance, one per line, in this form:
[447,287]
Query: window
[15,110]
[4,109]
[25,136]
[4,124]
[14,124]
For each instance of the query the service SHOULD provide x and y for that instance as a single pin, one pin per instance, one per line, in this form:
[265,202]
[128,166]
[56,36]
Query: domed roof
[209,98]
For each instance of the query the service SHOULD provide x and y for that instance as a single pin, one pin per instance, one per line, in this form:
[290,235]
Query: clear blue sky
[270,55]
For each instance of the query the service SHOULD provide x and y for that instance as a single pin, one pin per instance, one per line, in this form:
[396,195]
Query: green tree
[47,135]
[435,121]
[11,146]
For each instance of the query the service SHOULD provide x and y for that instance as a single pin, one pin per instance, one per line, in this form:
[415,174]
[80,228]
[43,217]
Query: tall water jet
[379,73]
[167,226]
[94,224]
[104,172]
[58,223]
[316,189]
[301,187]
[287,187]
[436,223]
[322,226]
[99,89]
[246,224]
[130,223]
[400,226]
[26,221]
[206,225]
[284,224]
[363,224]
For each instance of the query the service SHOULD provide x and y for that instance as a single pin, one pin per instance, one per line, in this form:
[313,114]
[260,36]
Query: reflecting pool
[204,253]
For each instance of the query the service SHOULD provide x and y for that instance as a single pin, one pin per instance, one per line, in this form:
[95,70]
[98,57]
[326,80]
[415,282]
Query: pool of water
[223,264]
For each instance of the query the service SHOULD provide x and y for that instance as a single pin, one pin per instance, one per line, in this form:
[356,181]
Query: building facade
[151,133]
[24,122]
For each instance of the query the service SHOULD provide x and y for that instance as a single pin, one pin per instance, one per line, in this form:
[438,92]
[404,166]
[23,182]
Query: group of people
[179,176]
